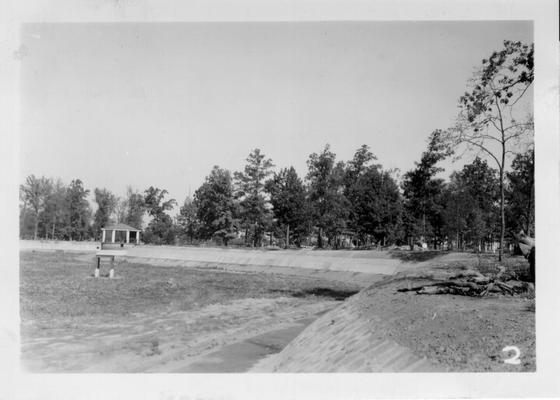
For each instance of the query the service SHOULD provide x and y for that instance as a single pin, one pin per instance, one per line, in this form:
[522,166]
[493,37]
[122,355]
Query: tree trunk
[531,213]
[531,259]
[22,221]
[287,236]
[258,239]
[36,226]
[423,227]
[502,208]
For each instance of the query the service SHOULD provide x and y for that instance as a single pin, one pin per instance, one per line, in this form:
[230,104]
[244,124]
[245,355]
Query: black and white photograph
[293,197]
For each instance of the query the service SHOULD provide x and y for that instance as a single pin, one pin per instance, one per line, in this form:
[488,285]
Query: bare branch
[526,124]
[495,126]
[521,95]
[482,147]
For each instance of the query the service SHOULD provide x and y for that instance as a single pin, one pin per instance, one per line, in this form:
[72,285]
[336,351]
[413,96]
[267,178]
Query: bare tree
[34,193]
[121,208]
[487,121]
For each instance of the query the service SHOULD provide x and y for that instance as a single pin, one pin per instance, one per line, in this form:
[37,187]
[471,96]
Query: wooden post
[113,232]
[103,236]
[96,272]
[137,237]
[127,237]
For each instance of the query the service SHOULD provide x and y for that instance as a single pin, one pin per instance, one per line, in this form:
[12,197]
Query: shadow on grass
[416,256]
[319,292]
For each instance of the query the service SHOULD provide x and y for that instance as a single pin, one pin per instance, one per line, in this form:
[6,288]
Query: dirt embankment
[381,330]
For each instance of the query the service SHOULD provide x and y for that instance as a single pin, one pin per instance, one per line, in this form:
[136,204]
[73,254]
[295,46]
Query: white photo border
[544,382]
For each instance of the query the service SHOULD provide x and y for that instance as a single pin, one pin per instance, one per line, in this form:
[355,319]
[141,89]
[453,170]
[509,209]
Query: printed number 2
[515,359]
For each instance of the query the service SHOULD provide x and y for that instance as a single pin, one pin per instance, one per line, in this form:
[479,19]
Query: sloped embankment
[382,330]
[344,341]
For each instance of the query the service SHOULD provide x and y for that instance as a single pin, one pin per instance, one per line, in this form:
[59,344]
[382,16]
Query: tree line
[339,203]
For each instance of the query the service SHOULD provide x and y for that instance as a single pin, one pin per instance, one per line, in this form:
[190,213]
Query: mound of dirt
[383,330]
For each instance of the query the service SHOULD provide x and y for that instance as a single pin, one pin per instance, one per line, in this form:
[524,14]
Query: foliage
[187,221]
[106,204]
[160,230]
[520,194]
[376,205]
[216,207]
[121,208]
[357,166]
[79,211]
[422,192]
[135,208]
[287,196]
[357,192]
[55,212]
[357,200]
[471,212]
[328,205]
[254,207]
[503,79]
[488,120]
[153,201]
[34,193]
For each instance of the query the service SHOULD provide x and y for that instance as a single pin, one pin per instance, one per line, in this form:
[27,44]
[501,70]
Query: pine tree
[254,206]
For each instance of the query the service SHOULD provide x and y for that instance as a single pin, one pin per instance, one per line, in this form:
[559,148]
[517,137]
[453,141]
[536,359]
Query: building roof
[120,227]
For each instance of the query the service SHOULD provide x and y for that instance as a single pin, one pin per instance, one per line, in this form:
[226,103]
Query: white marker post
[96,272]
[112,270]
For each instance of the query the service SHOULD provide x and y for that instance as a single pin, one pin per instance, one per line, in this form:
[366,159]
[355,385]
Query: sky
[159,104]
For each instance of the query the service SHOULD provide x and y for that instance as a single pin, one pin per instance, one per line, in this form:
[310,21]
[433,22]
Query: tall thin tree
[489,120]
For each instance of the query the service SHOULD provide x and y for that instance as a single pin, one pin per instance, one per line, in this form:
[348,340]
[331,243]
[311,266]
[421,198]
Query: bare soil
[460,333]
[225,318]
[154,319]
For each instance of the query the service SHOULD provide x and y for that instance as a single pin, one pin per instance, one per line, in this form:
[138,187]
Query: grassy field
[149,317]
